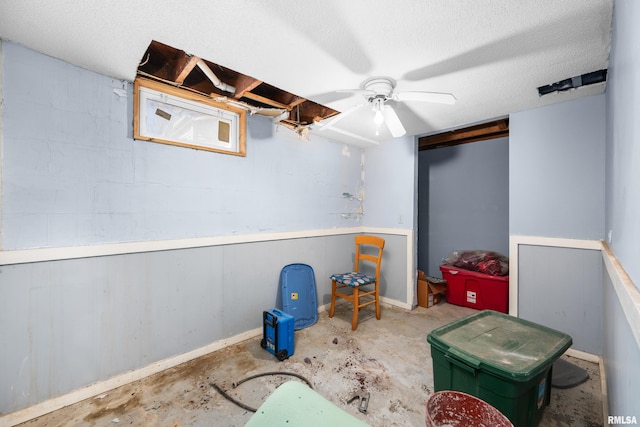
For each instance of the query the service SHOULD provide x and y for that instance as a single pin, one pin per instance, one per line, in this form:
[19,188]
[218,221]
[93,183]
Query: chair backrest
[362,256]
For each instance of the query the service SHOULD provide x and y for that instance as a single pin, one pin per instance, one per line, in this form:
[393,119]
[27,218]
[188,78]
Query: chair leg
[356,303]
[377,302]
[333,298]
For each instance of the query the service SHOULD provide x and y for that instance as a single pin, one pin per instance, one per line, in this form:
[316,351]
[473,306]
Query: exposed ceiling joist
[265,100]
[178,68]
[490,130]
[245,84]
[184,66]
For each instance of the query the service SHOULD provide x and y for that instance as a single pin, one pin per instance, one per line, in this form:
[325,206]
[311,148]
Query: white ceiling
[491,54]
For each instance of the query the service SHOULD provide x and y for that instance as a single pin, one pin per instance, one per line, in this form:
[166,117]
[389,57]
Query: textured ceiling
[491,54]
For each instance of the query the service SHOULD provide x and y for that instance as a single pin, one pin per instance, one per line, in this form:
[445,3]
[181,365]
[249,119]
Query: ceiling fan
[377,91]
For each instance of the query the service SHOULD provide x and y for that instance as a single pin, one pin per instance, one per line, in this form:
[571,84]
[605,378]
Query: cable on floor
[234,385]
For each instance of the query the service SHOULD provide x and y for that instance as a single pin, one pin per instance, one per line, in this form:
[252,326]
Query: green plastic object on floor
[294,404]
[504,360]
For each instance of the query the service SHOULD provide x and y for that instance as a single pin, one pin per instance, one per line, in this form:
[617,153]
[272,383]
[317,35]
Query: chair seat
[353,278]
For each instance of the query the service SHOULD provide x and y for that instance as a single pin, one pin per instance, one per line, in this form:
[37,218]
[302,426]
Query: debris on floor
[389,358]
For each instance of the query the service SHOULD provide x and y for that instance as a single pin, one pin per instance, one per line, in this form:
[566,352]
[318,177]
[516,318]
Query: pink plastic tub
[456,409]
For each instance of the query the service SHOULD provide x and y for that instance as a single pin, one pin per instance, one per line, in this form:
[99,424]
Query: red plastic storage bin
[476,290]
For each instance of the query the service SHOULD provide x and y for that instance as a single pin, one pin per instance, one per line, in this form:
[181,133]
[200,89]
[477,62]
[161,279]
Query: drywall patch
[346,151]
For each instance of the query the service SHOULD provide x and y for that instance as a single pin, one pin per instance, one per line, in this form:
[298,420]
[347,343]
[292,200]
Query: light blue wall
[621,356]
[463,201]
[574,175]
[72,175]
[623,139]
[561,288]
[556,189]
[390,175]
[70,323]
[556,175]
[622,352]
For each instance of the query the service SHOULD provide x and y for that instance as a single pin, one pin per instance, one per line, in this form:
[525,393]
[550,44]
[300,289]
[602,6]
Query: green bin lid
[501,344]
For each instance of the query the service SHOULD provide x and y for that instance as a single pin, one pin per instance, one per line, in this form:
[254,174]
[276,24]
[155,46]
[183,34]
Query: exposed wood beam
[319,118]
[245,84]
[264,100]
[184,66]
[297,101]
[481,132]
[179,69]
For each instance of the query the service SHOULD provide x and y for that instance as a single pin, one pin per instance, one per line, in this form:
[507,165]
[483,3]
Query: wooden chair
[357,280]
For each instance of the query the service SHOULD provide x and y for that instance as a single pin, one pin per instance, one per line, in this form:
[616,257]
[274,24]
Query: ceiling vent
[574,82]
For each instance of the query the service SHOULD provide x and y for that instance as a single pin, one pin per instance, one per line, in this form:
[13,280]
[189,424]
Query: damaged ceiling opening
[180,69]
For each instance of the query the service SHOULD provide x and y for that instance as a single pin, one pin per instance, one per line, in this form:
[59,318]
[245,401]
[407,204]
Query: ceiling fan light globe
[379,118]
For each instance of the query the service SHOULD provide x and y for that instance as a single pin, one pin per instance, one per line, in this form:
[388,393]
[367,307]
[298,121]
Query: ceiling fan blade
[363,92]
[393,122]
[328,124]
[437,97]
[329,97]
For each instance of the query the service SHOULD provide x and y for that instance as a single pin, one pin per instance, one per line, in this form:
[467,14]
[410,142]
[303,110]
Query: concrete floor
[389,358]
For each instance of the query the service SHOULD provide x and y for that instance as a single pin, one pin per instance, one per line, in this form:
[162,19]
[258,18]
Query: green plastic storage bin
[501,359]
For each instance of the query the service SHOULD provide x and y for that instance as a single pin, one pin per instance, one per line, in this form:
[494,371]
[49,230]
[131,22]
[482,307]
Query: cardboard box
[430,290]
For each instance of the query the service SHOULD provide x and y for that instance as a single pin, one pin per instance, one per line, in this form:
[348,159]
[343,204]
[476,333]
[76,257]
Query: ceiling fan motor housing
[380,86]
[377,102]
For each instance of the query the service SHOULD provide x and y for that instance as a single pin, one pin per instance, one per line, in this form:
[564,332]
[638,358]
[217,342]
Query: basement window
[174,116]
